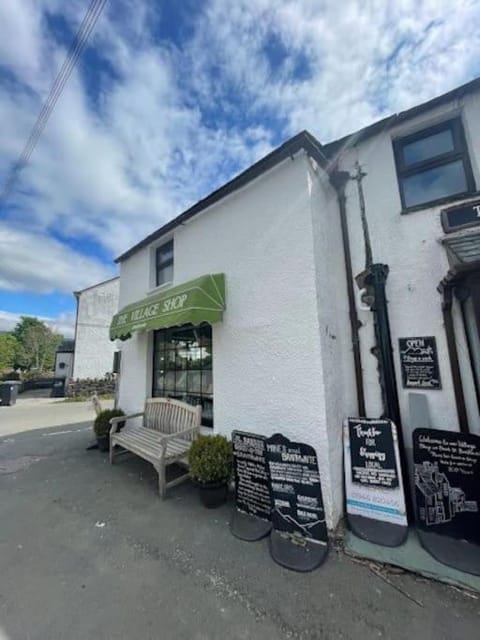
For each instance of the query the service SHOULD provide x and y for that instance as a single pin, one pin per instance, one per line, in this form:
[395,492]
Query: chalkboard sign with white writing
[375,498]
[447,483]
[296,491]
[372,453]
[419,363]
[252,485]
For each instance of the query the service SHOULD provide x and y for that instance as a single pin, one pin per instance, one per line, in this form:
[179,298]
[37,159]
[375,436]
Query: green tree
[36,344]
[8,350]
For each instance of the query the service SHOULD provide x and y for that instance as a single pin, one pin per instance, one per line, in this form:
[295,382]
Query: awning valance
[200,300]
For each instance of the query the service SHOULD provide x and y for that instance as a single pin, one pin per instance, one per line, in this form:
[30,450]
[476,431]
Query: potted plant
[210,460]
[101,426]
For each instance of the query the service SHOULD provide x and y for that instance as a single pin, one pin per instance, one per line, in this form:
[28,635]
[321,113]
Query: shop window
[164,264]
[182,367]
[433,165]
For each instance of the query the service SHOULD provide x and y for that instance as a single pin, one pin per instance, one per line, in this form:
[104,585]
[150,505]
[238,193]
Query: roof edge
[397,118]
[303,140]
[92,286]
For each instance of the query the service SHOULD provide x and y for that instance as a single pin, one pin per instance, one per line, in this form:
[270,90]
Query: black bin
[58,388]
[8,392]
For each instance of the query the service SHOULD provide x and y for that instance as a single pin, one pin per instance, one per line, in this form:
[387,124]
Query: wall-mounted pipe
[339,180]
[446,289]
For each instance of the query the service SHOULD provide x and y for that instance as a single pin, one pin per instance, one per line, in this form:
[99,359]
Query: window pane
[207,387]
[170,360]
[165,253]
[158,382]
[165,274]
[193,381]
[429,147]
[433,184]
[181,381]
[170,381]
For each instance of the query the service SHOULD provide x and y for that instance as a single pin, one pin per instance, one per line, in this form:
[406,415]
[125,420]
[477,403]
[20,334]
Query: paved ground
[89,551]
[34,411]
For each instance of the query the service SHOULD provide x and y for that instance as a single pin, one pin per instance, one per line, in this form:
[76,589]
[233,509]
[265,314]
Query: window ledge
[459,197]
[160,287]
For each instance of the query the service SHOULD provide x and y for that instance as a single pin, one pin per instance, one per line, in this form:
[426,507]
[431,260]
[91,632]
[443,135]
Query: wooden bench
[169,428]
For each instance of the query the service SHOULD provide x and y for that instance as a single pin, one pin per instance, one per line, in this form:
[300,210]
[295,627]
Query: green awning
[200,300]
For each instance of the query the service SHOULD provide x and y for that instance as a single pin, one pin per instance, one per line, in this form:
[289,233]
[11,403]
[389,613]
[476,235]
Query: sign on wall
[251,519]
[460,217]
[419,363]
[447,496]
[299,537]
[373,481]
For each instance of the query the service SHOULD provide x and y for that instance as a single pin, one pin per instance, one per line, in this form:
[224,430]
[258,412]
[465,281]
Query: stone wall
[89,386]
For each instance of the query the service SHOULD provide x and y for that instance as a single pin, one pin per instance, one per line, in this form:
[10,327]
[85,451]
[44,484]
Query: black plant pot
[103,443]
[213,494]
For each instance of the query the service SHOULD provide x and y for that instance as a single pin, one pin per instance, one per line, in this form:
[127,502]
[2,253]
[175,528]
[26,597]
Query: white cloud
[63,323]
[35,262]
[170,125]
[358,63]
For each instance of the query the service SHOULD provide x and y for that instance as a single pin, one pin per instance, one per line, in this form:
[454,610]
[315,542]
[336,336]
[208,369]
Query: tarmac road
[88,550]
[34,412]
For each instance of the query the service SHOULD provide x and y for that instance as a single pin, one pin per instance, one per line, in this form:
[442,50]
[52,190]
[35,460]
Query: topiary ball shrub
[210,459]
[101,426]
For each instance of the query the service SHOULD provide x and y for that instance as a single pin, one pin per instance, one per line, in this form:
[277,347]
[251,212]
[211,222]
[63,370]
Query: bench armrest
[116,421]
[179,434]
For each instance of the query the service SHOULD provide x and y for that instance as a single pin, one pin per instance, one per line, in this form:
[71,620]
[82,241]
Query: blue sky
[171,99]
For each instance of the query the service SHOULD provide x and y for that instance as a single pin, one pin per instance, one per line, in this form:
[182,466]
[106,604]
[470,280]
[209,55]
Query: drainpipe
[447,290]
[373,279]
[339,180]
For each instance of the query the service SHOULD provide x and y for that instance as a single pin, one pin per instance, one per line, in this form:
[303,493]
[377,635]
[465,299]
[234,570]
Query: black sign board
[447,483]
[296,491]
[419,363]
[372,453]
[462,216]
[252,486]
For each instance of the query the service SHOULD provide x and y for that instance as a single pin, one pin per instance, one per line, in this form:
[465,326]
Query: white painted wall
[418,262]
[282,357]
[65,359]
[267,364]
[93,348]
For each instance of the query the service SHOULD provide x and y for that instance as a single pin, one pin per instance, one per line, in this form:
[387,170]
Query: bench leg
[162,485]
[112,447]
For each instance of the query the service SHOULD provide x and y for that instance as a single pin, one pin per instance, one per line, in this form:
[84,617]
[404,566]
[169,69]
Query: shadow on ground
[88,550]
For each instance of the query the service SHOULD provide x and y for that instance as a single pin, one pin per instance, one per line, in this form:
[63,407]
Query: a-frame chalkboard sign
[447,496]
[375,500]
[299,538]
[251,519]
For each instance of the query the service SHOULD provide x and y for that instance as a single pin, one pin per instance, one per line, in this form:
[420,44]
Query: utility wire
[74,52]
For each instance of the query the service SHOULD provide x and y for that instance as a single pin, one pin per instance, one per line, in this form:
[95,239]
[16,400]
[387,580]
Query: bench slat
[162,416]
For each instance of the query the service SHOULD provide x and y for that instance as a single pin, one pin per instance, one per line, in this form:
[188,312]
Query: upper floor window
[433,165]
[164,263]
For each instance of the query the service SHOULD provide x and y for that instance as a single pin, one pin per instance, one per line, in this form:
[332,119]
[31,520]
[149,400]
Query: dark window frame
[460,152]
[162,263]
[167,342]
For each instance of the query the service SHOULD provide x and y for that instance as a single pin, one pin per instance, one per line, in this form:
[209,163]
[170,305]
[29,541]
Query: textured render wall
[418,262]
[93,348]
[268,374]
[63,358]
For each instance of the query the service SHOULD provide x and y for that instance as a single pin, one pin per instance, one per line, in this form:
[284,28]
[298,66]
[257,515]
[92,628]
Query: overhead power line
[74,52]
